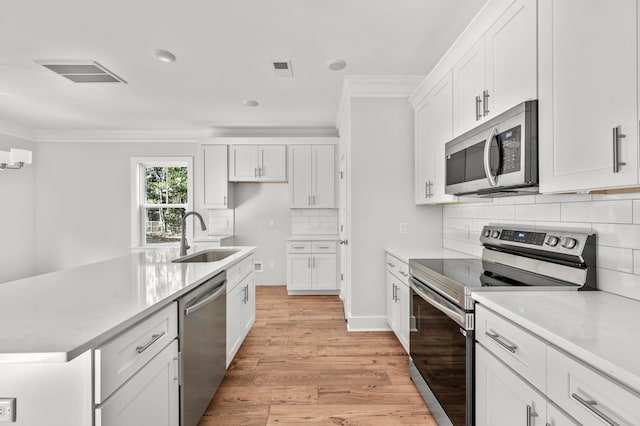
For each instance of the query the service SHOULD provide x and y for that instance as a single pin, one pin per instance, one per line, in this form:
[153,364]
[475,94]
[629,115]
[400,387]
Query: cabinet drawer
[516,347]
[120,358]
[588,396]
[398,268]
[323,247]
[299,247]
[237,271]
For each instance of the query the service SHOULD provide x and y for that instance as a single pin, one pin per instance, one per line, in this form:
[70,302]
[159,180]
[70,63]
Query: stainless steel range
[442,318]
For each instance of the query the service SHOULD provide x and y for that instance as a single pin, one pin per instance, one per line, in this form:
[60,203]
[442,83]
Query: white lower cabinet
[241,305]
[398,304]
[150,397]
[523,380]
[312,266]
[502,397]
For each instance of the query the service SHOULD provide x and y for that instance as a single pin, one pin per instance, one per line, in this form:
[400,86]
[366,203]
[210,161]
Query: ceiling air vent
[283,68]
[81,71]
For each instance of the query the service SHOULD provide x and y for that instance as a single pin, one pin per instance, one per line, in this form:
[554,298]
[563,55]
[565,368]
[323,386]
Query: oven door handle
[487,154]
[432,298]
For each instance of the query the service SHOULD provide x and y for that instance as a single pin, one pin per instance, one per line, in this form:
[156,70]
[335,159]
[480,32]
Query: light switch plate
[403,228]
[7,410]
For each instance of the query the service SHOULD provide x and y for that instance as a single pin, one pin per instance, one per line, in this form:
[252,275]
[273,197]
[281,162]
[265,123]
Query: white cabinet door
[299,176]
[235,298]
[403,314]
[503,398]
[443,133]
[272,163]
[249,303]
[323,177]
[215,185]
[587,87]
[150,397]
[424,172]
[391,300]
[468,85]
[324,271]
[299,272]
[511,58]
[243,163]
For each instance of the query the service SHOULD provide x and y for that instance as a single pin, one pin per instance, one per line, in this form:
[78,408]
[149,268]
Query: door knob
[345,242]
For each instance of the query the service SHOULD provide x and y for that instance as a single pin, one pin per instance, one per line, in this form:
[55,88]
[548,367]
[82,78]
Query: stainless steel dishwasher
[203,339]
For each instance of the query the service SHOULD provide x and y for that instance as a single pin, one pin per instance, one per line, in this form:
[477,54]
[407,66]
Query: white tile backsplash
[221,222]
[614,218]
[314,222]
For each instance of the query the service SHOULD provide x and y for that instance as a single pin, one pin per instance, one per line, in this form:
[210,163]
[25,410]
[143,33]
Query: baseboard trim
[368,323]
[313,292]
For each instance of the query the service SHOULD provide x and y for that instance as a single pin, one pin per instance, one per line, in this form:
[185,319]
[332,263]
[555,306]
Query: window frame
[138,196]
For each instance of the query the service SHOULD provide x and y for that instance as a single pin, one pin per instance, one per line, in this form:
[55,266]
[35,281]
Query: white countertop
[57,316]
[212,239]
[600,328]
[313,238]
[406,253]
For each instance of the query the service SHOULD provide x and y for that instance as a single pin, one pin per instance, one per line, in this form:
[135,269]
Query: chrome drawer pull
[154,339]
[591,406]
[496,338]
[324,247]
[391,264]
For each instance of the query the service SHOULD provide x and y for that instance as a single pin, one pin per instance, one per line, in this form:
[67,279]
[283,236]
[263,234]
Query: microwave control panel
[510,143]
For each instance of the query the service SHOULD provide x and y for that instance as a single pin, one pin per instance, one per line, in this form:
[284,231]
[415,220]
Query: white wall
[614,218]
[256,204]
[83,199]
[381,188]
[17,215]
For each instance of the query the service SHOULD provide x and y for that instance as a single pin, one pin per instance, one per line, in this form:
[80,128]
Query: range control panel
[557,241]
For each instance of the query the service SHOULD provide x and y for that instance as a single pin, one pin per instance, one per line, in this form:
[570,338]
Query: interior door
[343,213]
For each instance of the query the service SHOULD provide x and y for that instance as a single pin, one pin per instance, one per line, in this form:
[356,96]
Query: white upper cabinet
[588,83]
[262,163]
[312,176]
[499,71]
[433,128]
[216,189]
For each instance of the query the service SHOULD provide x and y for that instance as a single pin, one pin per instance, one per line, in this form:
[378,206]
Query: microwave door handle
[487,151]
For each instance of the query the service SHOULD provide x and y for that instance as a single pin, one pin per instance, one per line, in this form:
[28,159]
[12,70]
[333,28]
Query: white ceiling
[224,50]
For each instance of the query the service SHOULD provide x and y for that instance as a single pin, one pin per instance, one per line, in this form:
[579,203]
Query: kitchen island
[54,322]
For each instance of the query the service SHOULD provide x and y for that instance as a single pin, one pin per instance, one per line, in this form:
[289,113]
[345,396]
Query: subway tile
[452,211]
[636,262]
[500,212]
[447,243]
[618,211]
[621,283]
[623,196]
[463,247]
[456,223]
[478,224]
[614,258]
[538,212]
[615,235]
[576,226]
[520,199]
[561,198]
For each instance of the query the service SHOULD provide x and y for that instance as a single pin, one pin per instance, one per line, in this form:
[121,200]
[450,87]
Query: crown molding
[17,131]
[121,135]
[287,132]
[375,87]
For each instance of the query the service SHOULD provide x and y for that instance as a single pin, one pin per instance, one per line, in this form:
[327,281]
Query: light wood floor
[299,365]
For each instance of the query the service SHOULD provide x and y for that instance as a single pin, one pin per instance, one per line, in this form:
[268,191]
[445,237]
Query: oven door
[441,349]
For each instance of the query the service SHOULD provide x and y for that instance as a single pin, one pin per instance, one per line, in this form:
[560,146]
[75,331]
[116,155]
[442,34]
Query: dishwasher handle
[220,290]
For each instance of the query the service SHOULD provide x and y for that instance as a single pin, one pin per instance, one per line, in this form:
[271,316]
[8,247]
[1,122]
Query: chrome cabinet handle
[485,103]
[298,247]
[487,151]
[391,264]
[309,262]
[314,262]
[404,273]
[478,102]
[591,406]
[324,247]
[313,199]
[260,172]
[309,199]
[154,338]
[496,338]
[247,287]
[191,309]
[530,415]
[616,149]
[255,172]
[225,200]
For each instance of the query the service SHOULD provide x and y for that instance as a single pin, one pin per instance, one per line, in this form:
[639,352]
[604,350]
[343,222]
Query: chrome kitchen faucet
[184,245]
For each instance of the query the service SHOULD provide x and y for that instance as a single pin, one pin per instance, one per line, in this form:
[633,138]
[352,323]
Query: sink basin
[206,256]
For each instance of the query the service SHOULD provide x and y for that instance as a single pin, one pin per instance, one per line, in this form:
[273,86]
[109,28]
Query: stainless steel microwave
[497,158]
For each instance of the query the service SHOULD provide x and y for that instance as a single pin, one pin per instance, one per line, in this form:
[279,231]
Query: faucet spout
[184,244]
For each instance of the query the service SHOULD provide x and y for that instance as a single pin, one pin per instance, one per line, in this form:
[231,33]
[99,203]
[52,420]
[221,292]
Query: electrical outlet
[403,228]
[258,266]
[7,410]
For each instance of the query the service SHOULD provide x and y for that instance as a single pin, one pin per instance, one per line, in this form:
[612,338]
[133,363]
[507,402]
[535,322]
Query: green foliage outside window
[166,197]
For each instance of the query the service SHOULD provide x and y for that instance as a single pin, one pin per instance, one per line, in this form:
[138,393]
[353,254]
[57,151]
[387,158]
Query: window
[162,194]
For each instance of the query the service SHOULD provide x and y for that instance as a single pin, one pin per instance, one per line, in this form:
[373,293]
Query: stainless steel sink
[206,256]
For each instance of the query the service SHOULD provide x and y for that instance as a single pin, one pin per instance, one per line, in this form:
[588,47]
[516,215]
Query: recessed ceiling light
[336,64]
[164,55]
[251,103]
